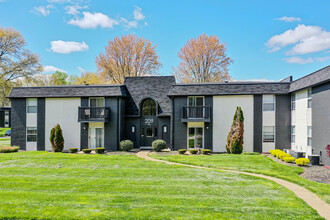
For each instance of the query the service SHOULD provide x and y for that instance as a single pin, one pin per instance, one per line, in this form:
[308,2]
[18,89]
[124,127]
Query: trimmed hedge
[289,159]
[126,145]
[251,153]
[100,150]
[158,145]
[206,151]
[73,150]
[8,149]
[182,151]
[302,161]
[193,151]
[87,151]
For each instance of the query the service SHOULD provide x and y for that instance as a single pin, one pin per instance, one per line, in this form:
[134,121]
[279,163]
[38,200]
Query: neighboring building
[278,115]
[5,117]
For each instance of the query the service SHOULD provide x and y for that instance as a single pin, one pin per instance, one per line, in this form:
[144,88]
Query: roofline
[305,87]
[310,74]
[70,86]
[230,83]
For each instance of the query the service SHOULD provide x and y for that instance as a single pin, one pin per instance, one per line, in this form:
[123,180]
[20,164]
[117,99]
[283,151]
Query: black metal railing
[96,114]
[196,113]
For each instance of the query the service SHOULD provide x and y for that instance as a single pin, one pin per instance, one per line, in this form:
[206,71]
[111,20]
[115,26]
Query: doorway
[96,135]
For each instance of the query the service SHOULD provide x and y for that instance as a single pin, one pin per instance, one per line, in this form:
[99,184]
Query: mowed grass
[3,131]
[4,142]
[42,185]
[255,164]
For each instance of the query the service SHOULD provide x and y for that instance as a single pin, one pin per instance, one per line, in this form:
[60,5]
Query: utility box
[314,159]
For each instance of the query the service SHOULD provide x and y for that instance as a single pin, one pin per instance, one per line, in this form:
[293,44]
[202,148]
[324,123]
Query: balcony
[196,114]
[93,114]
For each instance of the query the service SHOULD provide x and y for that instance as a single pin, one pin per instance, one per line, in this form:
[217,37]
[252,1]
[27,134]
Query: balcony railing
[196,113]
[93,114]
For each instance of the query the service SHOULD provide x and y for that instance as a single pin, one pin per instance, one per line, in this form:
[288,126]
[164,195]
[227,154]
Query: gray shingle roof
[67,91]
[231,88]
[313,79]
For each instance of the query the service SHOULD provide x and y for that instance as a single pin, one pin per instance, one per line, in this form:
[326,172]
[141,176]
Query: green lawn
[4,141]
[255,164]
[3,131]
[42,185]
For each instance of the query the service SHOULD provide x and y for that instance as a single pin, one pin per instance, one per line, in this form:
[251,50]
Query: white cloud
[322,59]
[59,1]
[74,9]
[138,15]
[66,47]
[94,20]
[299,60]
[42,10]
[129,24]
[48,69]
[288,19]
[81,69]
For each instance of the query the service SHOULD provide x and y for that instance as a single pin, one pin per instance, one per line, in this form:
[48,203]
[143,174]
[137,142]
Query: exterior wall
[31,121]
[301,118]
[321,121]
[18,120]
[179,128]
[283,122]
[257,130]
[224,108]
[84,126]
[112,128]
[63,111]
[268,119]
[41,124]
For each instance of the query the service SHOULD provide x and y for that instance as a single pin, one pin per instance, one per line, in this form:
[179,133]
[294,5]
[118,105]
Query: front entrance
[148,135]
[149,122]
[95,135]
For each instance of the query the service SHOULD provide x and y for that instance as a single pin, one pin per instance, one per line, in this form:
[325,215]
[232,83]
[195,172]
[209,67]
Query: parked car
[8,133]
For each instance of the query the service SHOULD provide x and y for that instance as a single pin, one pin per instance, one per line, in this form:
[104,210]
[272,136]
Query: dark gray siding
[111,128]
[84,127]
[179,128]
[164,121]
[18,116]
[208,140]
[321,120]
[41,124]
[132,136]
[2,119]
[283,122]
[257,127]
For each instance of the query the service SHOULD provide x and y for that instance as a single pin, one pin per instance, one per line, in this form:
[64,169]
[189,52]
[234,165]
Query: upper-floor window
[31,105]
[268,102]
[309,135]
[268,134]
[195,101]
[293,134]
[149,107]
[96,102]
[309,98]
[293,101]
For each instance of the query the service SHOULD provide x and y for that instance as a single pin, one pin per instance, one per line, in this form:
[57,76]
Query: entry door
[148,135]
[96,137]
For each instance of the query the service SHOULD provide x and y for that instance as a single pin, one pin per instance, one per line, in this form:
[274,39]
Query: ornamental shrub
[284,155]
[73,150]
[236,147]
[8,149]
[302,161]
[100,150]
[158,145]
[289,159]
[126,145]
[275,152]
[56,139]
[87,151]
[193,151]
[182,151]
[206,151]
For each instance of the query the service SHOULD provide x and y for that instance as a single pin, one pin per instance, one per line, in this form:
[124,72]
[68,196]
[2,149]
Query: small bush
[302,161]
[158,145]
[251,153]
[182,151]
[284,155]
[8,149]
[275,152]
[87,151]
[56,139]
[73,150]
[126,145]
[100,150]
[206,151]
[193,151]
[289,159]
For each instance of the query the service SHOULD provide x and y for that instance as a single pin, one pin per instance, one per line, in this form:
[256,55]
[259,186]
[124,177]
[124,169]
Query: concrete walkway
[310,198]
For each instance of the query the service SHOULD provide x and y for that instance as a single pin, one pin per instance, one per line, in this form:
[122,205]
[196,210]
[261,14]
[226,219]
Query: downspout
[172,125]
[118,123]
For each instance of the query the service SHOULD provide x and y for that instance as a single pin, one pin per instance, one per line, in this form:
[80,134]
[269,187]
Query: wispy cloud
[288,19]
[94,20]
[42,10]
[138,15]
[66,47]
[81,69]
[74,9]
[298,60]
[48,69]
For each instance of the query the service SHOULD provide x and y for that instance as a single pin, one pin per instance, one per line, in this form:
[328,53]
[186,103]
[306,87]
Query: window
[268,134]
[6,119]
[31,105]
[148,107]
[133,129]
[268,102]
[196,101]
[31,134]
[96,102]
[195,137]
[149,132]
[309,136]
[195,107]
[309,98]
[293,102]
[164,128]
[293,134]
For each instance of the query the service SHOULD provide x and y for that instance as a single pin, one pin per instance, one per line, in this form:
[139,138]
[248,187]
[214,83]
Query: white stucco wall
[301,118]
[63,111]
[224,108]
[268,119]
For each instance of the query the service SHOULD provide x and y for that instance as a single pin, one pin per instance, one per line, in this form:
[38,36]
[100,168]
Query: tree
[90,78]
[56,139]
[203,59]
[59,78]
[236,133]
[15,61]
[128,55]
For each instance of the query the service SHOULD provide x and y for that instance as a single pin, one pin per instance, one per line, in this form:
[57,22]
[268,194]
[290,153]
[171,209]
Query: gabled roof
[67,91]
[313,79]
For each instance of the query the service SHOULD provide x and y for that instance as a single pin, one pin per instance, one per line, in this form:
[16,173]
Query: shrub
[289,159]
[302,161]
[8,149]
[56,139]
[236,147]
[87,151]
[158,145]
[182,151]
[275,152]
[100,150]
[283,155]
[206,151]
[73,150]
[251,153]
[193,151]
[126,145]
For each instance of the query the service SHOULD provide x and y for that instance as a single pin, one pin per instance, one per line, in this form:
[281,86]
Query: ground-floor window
[195,137]
[268,134]
[309,135]
[293,134]
[31,134]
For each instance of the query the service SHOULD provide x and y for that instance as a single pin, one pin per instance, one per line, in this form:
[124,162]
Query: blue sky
[266,39]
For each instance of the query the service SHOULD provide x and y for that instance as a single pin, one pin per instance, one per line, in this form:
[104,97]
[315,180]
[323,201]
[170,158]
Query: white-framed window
[96,102]
[195,107]
[268,134]
[6,119]
[309,98]
[293,101]
[31,105]
[31,134]
[268,102]
[195,137]
[293,134]
[309,136]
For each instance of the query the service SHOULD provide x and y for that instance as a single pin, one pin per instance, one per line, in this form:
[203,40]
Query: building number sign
[149,121]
